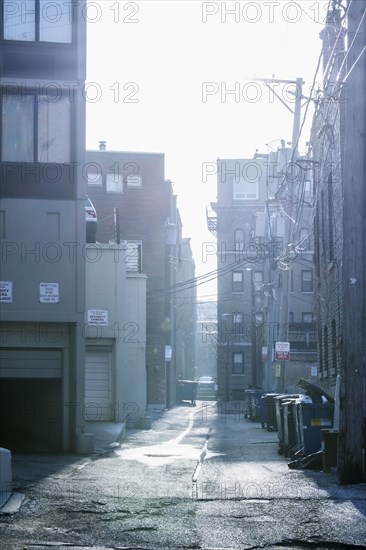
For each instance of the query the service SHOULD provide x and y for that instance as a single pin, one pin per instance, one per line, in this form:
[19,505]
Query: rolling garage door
[31,399]
[98,385]
[30,363]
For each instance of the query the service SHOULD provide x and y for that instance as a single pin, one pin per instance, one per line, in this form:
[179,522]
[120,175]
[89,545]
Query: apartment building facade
[42,224]
[253,261]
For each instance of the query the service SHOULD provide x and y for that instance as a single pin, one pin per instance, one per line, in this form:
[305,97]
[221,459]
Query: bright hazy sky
[150,64]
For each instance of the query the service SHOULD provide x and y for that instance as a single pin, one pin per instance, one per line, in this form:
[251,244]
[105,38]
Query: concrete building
[135,203]
[115,338]
[42,225]
[252,253]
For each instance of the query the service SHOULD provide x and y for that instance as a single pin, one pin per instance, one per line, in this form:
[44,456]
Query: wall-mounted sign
[278,371]
[168,353]
[98,317]
[49,293]
[6,291]
[264,353]
[314,371]
[282,351]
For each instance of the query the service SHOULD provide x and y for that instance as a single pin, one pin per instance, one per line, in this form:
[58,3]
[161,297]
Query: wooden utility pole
[351,441]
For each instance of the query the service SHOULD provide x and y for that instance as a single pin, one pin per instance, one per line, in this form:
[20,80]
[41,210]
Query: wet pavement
[202,477]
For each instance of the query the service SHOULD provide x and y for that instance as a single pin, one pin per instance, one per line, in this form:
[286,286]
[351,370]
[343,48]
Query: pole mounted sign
[282,351]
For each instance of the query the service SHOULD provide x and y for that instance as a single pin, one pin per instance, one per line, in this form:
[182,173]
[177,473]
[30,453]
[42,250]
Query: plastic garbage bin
[286,422]
[268,412]
[253,408]
[314,416]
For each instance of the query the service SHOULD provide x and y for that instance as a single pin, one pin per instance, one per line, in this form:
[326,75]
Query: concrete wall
[109,288]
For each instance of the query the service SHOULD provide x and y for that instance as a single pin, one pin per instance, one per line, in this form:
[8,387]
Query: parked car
[206,388]
[91,220]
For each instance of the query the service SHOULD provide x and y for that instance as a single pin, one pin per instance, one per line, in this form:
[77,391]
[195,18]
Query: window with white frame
[114,183]
[238,363]
[134,180]
[36,128]
[94,178]
[245,189]
[38,20]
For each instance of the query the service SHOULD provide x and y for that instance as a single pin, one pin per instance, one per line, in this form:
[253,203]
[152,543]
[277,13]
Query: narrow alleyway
[202,477]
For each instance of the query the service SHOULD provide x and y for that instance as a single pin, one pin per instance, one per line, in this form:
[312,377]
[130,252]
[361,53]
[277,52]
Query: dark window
[38,20]
[36,128]
[307,283]
[334,344]
[330,218]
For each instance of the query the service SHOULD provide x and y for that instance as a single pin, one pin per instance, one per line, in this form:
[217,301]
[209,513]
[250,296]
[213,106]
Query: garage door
[30,363]
[31,400]
[98,386]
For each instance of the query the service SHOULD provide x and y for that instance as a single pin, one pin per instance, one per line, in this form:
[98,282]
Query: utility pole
[351,439]
[283,314]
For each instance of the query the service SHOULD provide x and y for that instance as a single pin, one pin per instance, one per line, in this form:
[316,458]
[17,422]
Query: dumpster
[268,412]
[313,417]
[187,391]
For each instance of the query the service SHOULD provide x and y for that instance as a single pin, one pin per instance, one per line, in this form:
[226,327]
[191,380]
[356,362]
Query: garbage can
[187,391]
[268,412]
[314,416]
[253,408]
[286,422]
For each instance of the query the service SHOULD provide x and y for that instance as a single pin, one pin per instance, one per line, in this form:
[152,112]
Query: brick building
[253,260]
[135,203]
[337,149]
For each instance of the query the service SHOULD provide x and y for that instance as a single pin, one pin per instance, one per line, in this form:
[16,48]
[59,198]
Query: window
[330,219]
[238,363]
[307,317]
[36,128]
[291,317]
[237,318]
[245,189]
[95,178]
[239,240]
[308,190]
[258,280]
[134,181]
[114,183]
[54,20]
[237,281]
[307,284]
[304,239]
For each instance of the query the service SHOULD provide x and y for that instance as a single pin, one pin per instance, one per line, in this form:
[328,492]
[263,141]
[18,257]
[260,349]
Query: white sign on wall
[6,291]
[282,351]
[98,317]
[49,293]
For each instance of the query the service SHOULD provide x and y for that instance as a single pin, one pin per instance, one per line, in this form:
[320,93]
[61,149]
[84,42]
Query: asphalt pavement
[202,477]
